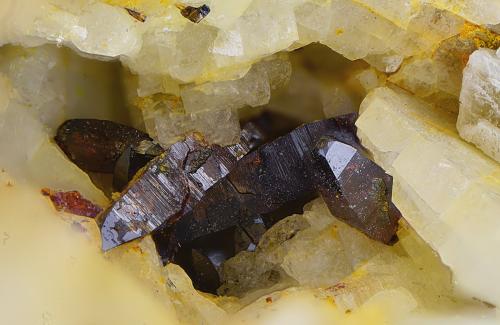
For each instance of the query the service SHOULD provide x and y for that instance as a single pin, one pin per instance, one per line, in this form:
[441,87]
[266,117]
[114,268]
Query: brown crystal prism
[95,145]
[196,189]
[170,186]
[356,190]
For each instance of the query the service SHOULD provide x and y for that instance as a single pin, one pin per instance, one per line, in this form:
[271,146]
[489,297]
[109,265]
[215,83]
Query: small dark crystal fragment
[137,15]
[195,14]
[270,125]
[131,160]
[72,202]
[95,145]
[202,259]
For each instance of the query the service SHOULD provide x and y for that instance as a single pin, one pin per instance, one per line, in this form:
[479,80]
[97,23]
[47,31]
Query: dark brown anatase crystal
[136,14]
[356,190]
[195,14]
[274,175]
[196,190]
[95,145]
[169,187]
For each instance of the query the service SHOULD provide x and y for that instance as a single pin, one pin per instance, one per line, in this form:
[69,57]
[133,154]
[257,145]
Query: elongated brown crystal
[95,145]
[169,188]
[195,189]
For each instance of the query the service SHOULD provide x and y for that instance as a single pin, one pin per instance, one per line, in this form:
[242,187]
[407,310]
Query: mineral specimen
[201,189]
[95,145]
[72,202]
[330,272]
[179,179]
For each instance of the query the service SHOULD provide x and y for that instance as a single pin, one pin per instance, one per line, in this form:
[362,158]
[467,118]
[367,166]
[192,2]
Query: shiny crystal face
[307,161]
[359,192]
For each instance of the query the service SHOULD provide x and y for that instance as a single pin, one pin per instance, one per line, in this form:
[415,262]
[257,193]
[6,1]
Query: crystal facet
[95,145]
[201,189]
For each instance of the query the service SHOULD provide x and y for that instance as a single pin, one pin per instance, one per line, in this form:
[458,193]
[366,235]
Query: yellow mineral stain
[482,37]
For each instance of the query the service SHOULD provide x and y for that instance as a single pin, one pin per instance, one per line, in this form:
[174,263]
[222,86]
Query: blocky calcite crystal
[96,145]
[447,190]
[479,116]
[197,194]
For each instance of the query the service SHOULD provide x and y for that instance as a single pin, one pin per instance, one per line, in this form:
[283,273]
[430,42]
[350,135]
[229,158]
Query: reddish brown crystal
[95,145]
[72,202]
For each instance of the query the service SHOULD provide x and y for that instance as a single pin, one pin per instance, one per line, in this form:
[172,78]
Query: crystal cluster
[200,189]
[316,250]
[170,53]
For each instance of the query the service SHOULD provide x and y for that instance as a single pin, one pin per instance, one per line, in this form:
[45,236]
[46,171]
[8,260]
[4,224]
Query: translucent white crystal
[432,80]
[191,51]
[168,126]
[266,27]
[106,30]
[225,13]
[476,11]
[313,19]
[33,75]
[254,89]
[479,117]
[446,189]
[369,79]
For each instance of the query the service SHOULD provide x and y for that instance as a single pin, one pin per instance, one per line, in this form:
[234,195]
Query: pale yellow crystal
[438,180]
[168,125]
[254,89]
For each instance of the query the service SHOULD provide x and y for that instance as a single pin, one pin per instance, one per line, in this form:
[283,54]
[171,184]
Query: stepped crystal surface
[193,197]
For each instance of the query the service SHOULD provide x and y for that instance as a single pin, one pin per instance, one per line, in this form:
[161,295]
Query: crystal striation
[169,187]
[201,189]
[285,171]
